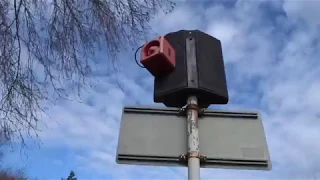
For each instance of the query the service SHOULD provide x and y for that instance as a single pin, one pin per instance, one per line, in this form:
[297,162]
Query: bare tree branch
[45,45]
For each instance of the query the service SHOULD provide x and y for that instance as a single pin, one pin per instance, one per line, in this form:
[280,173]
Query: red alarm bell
[158,56]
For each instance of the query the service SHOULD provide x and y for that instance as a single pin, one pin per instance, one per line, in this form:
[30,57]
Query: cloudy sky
[272,62]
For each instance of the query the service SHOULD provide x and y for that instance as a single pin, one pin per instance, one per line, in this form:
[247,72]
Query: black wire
[135,57]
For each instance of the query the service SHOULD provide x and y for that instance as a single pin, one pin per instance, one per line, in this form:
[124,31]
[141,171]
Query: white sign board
[158,136]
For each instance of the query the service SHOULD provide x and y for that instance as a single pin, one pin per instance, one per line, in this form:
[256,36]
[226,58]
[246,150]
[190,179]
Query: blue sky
[271,56]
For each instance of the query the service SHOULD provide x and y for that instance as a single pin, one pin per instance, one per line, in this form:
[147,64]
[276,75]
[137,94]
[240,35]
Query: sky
[271,56]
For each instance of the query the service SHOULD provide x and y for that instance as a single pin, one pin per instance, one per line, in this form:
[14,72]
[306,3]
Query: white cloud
[183,17]
[85,125]
[57,162]
[225,31]
[269,69]
[303,10]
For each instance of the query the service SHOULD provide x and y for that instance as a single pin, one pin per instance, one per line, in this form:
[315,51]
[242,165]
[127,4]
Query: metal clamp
[194,154]
[201,112]
[184,157]
[193,106]
[183,111]
[203,159]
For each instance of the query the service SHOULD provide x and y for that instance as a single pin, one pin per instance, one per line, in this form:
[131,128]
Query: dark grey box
[199,71]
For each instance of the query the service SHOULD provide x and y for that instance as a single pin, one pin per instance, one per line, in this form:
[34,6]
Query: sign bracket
[184,158]
[183,111]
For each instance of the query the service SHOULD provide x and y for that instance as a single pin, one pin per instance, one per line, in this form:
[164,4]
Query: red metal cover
[158,56]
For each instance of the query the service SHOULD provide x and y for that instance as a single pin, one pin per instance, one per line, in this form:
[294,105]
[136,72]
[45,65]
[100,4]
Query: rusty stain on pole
[193,139]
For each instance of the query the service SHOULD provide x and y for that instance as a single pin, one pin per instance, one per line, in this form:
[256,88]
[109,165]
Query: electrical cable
[135,57]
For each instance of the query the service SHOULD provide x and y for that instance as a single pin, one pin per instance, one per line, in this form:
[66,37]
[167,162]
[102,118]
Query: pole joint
[185,157]
[183,111]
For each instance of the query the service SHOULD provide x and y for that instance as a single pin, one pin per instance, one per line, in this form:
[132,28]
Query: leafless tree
[46,44]
[6,174]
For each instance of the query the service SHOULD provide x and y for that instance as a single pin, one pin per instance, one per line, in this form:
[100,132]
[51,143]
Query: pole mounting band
[193,154]
[183,111]
[193,106]
[184,157]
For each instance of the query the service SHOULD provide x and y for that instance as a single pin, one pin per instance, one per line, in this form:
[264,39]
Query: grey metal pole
[193,139]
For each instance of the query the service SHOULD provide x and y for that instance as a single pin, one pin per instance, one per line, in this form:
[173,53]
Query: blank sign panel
[158,136]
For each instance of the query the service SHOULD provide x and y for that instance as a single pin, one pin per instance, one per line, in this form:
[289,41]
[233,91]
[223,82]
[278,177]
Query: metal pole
[193,139]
